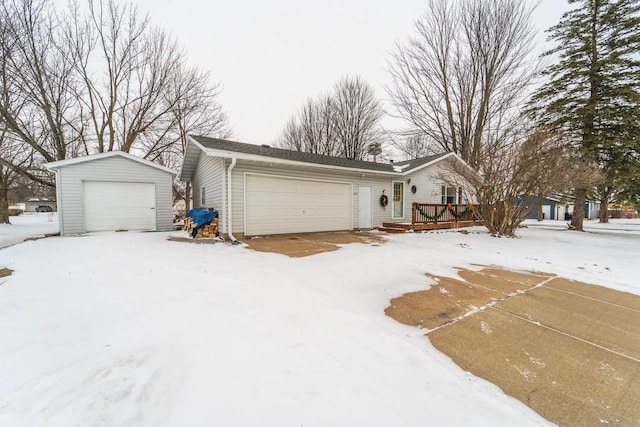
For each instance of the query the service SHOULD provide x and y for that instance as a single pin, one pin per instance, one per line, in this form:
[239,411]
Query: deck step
[397,225]
[393,230]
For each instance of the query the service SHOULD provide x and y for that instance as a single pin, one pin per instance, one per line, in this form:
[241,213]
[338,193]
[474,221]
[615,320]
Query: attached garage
[113,191]
[278,205]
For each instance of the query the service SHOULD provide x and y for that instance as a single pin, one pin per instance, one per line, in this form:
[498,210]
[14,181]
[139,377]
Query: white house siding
[70,189]
[428,182]
[210,174]
[377,184]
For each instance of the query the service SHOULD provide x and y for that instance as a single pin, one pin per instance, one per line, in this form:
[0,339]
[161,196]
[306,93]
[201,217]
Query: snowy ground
[119,329]
[32,224]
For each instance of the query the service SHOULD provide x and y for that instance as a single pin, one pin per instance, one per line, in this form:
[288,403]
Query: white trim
[393,201]
[62,163]
[244,190]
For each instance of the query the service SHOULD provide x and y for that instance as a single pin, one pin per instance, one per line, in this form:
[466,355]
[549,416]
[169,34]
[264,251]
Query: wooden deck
[427,216]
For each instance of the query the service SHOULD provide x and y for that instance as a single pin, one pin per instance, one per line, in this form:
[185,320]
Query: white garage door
[282,205]
[119,206]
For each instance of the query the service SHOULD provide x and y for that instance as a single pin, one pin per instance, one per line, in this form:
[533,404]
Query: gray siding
[70,189]
[210,174]
[377,184]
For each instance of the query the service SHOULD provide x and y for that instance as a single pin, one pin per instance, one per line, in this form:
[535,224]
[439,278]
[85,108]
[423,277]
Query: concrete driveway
[306,244]
[569,350]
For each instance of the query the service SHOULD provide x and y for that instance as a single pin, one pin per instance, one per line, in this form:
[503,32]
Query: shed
[113,191]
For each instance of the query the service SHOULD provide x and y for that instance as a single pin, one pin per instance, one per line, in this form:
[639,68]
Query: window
[398,199]
[203,194]
[451,195]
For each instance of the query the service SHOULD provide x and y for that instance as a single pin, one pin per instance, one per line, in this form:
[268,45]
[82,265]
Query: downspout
[229,206]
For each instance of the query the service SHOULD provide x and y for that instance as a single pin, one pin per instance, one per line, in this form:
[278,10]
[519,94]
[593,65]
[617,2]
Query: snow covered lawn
[131,329]
[31,224]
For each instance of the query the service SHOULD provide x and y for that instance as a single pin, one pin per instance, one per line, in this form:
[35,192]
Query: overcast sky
[270,56]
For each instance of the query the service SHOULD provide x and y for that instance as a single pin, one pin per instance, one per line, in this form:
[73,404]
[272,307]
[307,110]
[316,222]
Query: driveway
[569,350]
[306,244]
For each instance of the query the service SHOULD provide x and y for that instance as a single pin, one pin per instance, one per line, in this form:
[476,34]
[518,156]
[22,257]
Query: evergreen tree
[593,92]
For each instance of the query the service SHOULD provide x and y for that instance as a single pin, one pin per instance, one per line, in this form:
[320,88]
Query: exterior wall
[70,189]
[553,208]
[377,184]
[428,182]
[209,174]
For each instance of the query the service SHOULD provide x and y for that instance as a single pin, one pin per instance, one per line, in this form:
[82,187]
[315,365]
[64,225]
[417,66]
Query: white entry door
[279,205]
[119,206]
[546,211]
[364,197]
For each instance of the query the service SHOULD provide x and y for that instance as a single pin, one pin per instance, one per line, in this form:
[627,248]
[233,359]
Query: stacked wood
[209,230]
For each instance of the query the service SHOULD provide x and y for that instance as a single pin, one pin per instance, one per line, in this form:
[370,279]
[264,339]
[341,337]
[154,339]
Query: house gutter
[229,207]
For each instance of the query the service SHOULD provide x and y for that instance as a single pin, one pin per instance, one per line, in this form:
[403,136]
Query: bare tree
[96,78]
[200,112]
[460,80]
[343,123]
[38,87]
[128,70]
[531,165]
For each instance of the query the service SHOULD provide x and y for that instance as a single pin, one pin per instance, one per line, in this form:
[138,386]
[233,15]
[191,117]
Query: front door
[364,197]
[398,200]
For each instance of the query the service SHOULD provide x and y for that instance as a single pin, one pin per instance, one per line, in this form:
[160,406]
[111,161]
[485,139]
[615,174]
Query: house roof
[225,148]
[62,163]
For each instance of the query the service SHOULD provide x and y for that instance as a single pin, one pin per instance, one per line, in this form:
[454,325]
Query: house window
[203,200]
[398,200]
[451,195]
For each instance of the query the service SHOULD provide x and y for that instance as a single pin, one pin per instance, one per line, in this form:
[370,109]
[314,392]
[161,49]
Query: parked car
[44,208]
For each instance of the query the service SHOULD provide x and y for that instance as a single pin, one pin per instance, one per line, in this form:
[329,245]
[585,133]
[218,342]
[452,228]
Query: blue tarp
[200,217]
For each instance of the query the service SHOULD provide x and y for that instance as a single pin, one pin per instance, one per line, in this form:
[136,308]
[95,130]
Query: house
[113,191]
[36,202]
[560,207]
[555,207]
[260,190]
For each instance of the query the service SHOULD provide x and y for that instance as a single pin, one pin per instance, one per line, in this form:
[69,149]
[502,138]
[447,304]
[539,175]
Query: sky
[269,57]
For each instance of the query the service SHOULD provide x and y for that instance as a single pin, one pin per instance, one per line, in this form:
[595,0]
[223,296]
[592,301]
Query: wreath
[384,200]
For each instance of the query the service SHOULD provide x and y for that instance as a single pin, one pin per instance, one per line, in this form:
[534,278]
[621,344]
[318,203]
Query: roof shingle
[300,156]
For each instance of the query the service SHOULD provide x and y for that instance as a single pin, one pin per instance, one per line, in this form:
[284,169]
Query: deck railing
[422,213]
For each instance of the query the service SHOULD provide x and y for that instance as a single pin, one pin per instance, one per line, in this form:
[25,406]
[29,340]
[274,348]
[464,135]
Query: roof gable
[93,157]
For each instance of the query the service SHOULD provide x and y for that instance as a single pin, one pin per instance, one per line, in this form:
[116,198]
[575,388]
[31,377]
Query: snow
[29,224]
[121,329]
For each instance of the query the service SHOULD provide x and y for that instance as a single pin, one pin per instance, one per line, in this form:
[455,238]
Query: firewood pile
[208,230]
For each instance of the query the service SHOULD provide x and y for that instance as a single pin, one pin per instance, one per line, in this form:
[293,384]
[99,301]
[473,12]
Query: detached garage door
[119,206]
[283,205]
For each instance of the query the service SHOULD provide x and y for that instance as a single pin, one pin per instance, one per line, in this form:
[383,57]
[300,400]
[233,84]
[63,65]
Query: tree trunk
[539,208]
[604,207]
[578,209]
[4,207]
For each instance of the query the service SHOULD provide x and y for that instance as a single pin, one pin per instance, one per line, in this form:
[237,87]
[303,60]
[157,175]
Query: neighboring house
[35,202]
[263,190]
[113,191]
[560,207]
[553,207]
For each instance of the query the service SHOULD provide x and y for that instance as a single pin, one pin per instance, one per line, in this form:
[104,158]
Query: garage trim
[246,174]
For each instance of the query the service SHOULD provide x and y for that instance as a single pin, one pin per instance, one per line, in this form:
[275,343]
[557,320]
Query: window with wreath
[451,195]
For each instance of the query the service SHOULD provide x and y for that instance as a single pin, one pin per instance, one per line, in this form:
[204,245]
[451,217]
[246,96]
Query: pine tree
[593,91]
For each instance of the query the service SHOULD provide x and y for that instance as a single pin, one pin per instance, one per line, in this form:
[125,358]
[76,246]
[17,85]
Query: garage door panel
[119,206]
[284,205]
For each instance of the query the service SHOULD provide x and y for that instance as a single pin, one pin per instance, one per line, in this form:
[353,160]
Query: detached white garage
[113,191]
